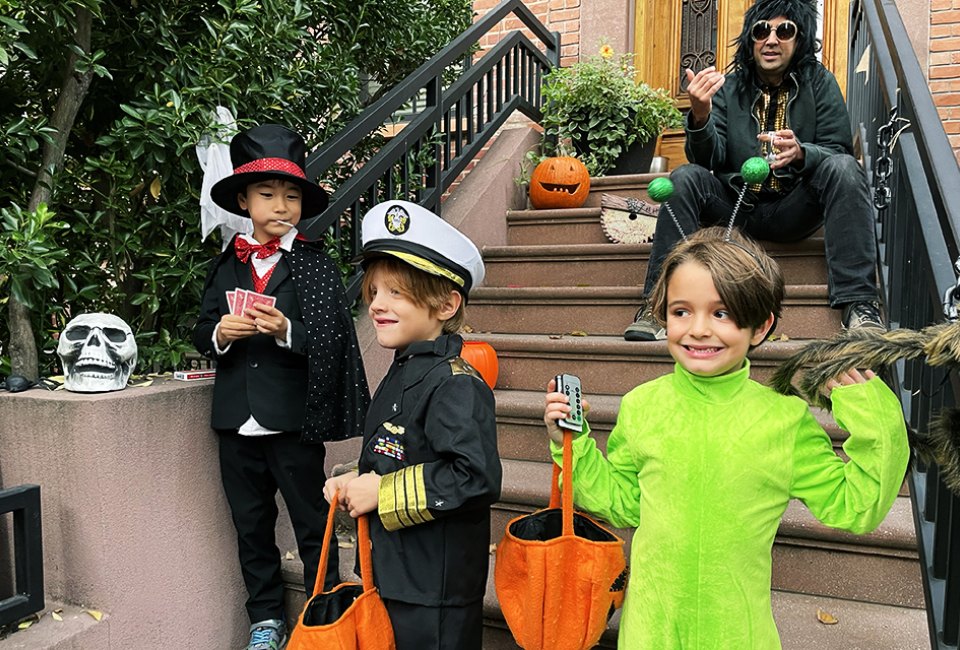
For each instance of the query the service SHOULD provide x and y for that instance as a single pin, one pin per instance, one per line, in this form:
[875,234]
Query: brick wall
[558,15]
[943,71]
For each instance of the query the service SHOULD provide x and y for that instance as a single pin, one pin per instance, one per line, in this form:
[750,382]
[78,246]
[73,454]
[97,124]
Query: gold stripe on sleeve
[402,499]
[400,507]
[410,489]
[387,502]
[421,493]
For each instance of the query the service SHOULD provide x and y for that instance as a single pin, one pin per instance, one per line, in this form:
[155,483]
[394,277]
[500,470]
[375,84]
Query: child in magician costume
[429,468]
[289,374]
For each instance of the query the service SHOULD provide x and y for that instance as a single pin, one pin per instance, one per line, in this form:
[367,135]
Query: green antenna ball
[660,189]
[755,170]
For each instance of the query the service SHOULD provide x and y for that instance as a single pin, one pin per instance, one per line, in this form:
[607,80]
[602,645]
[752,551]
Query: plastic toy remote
[569,385]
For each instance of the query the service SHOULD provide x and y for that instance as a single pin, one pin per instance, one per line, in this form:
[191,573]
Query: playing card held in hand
[252,298]
[240,300]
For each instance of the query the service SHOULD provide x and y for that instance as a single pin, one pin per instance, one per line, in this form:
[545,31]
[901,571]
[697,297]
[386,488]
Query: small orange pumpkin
[559,182]
[483,358]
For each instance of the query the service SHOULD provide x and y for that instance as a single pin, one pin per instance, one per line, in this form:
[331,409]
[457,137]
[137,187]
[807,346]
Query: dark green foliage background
[161,68]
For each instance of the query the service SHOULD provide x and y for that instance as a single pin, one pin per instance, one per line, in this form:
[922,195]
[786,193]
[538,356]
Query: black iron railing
[447,128]
[24,503]
[917,195]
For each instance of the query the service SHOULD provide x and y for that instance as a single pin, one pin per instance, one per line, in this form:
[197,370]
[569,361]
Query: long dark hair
[802,12]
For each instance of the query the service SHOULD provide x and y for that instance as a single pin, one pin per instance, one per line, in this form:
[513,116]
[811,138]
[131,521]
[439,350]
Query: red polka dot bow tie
[245,249]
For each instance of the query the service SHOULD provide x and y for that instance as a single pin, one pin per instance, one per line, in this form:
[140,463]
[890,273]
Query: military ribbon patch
[390,445]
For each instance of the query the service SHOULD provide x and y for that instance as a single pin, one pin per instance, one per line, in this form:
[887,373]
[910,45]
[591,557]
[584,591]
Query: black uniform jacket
[431,434]
[318,386]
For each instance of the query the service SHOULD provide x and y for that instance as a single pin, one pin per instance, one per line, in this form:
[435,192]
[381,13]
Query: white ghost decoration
[98,353]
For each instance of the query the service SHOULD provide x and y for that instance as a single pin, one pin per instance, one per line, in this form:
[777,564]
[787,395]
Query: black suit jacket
[318,386]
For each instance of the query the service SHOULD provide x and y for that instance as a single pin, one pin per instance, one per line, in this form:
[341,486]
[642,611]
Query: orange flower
[606,51]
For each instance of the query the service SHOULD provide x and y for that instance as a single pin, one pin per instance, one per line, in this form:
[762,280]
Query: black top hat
[265,152]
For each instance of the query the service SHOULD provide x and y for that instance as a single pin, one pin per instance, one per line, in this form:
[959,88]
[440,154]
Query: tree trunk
[23,345]
[23,348]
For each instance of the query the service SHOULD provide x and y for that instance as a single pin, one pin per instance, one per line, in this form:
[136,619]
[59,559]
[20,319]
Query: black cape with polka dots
[338,395]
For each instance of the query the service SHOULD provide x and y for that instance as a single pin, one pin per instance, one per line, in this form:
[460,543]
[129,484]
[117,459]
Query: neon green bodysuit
[704,468]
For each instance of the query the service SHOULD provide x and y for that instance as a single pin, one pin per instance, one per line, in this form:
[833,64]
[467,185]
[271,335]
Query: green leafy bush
[599,106]
[128,184]
[29,259]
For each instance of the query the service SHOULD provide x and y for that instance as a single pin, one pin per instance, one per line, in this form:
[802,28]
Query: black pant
[418,627]
[253,469]
[834,196]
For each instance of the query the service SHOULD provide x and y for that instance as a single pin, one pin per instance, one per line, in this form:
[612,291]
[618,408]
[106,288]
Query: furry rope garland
[937,345]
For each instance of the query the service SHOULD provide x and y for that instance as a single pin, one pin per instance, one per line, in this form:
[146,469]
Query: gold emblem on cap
[397,220]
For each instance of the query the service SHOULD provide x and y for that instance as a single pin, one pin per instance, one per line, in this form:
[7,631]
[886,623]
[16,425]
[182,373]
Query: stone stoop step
[606,264]
[569,226]
[626,185]
[77,630]
[556,226]
[606,364]
[606,311]
[860,626]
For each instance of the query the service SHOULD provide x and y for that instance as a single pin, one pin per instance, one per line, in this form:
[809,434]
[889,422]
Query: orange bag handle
[363,548]
[566,500]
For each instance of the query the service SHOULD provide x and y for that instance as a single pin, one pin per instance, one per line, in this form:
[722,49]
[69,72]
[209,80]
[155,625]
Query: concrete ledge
[134,519]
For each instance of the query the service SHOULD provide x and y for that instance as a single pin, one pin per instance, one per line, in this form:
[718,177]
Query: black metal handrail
[919,237]
[450,128]
[24,502]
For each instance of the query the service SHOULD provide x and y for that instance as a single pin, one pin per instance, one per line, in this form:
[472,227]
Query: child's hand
[848,378]
[268,320]
[335,483]
[557,406]
[233,328]
[362,494]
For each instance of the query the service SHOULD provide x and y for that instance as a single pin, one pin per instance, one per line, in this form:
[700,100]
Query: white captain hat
[420,238]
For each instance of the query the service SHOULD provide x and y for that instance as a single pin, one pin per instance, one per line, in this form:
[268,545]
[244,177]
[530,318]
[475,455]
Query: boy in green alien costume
[703,461]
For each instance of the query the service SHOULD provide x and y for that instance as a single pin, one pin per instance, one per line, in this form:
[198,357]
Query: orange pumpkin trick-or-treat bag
[350,616]
[559,574]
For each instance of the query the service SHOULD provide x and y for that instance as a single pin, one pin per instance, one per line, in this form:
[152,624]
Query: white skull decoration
[98,353]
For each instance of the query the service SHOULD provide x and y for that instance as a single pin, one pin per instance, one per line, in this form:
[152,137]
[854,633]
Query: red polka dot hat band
[267,152]
[271,165]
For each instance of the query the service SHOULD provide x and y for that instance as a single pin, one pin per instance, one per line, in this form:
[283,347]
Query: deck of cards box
[194,375]
[242,299]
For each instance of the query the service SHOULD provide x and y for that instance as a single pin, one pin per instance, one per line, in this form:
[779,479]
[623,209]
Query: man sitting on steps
[777,101]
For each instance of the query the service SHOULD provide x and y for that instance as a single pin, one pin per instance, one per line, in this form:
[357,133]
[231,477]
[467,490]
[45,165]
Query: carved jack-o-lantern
[560,182]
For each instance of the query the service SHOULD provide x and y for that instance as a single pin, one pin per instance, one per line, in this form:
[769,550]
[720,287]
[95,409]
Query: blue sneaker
[267,635]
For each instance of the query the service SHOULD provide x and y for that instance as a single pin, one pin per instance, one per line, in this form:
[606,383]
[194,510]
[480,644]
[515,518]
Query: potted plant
[599,105]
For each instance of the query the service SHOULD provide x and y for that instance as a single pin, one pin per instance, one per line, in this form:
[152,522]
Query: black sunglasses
[786,31]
